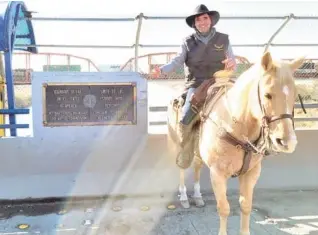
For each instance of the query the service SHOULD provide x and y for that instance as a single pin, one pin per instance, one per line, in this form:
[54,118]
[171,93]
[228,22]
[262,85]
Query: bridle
[263,145]
[267,120]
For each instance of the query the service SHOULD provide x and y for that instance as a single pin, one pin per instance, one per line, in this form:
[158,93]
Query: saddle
[202,95]
[202,102]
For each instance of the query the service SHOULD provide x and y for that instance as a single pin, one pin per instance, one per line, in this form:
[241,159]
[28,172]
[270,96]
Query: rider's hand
[229,63]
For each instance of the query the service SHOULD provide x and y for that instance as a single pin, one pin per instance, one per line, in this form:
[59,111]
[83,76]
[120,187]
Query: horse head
[276,95]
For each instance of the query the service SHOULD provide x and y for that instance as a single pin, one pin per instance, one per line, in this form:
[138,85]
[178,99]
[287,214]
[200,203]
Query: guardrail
[141,17]
[286,19]
[163,109]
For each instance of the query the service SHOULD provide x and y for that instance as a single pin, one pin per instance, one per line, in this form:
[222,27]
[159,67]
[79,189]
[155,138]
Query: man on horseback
[204,52]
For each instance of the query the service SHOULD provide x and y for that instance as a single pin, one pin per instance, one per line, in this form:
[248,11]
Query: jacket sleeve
[176,62]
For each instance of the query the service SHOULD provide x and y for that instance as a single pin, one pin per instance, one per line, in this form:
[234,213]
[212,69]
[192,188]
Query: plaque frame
[100,123]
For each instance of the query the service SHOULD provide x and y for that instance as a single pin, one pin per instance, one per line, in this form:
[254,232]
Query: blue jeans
[187,114]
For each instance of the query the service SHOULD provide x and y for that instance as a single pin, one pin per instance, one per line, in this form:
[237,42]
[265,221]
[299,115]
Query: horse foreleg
[183,191]
[197,197]
[247,184]
[219,185]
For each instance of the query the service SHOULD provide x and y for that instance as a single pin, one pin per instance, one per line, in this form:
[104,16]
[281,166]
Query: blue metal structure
[15,29]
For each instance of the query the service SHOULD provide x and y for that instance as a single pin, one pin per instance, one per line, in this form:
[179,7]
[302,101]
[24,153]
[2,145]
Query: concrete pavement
[274,212]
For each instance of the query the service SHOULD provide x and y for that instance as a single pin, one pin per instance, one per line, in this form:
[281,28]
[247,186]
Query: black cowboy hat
[200,10]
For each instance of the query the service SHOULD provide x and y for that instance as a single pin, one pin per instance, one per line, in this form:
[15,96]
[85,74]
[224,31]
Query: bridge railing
[141,17]
[137,45]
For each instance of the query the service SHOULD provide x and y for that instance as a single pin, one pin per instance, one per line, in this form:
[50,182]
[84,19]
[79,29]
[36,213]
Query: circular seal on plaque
[89,101]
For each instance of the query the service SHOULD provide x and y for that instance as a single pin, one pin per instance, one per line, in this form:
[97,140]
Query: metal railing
[141,17]
[163,109]
[286,19]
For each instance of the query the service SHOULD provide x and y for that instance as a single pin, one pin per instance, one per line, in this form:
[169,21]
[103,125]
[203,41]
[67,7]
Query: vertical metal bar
[68,62]
[278,31]
[10,89]
[139,17]
[2,74]
[28,56]
[48,60]
[149,63]
[9,75]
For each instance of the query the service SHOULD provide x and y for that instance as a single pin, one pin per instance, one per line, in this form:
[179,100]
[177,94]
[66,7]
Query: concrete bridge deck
[276,212]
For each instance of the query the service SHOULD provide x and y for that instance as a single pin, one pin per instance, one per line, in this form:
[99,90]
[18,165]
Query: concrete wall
[51,162]
[109,160]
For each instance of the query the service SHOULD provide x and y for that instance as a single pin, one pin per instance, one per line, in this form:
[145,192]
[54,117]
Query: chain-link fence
[306,77]
[25,63]
[147,63]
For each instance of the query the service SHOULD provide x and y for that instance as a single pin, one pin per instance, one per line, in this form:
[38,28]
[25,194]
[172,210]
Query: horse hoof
[185,204]
[245,233]
[199,202]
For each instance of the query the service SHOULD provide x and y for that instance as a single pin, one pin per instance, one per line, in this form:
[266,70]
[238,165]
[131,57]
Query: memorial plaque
[80,104]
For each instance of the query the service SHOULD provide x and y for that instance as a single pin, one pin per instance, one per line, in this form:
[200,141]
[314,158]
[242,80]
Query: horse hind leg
[197,164]
[197,196]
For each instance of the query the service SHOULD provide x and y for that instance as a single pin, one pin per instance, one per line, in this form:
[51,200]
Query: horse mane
[282,69]
[241,90]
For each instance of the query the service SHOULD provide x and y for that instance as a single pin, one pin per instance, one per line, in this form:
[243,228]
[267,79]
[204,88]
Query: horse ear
[267,62]
[296,63]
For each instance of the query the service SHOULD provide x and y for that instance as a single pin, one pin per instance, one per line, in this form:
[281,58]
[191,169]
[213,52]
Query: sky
[166,31]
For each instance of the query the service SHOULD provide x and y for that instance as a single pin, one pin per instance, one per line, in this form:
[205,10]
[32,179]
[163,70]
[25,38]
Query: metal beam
[307,106]
[278,31]
[164,45]
[165,108]
[124,19]
[141,15]
[14,126]
[89,19]
[14,111]
[80,46]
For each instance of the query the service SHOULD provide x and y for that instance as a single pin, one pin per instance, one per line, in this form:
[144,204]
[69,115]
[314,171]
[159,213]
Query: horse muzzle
[285,145]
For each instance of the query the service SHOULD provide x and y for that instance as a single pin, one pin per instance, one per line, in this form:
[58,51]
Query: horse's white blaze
[291,141]
[286,92]
[292,135]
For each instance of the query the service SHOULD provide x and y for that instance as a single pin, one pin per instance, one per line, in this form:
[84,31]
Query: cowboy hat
[200,10]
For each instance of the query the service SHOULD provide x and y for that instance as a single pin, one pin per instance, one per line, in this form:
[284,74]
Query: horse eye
[268,96]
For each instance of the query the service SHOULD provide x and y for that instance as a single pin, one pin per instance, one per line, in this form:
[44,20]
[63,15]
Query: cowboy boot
[186,144]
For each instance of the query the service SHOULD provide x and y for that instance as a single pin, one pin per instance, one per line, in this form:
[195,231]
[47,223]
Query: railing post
[139,18]
[2,82]
[278,31]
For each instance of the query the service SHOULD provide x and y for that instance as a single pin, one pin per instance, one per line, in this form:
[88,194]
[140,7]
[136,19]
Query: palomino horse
[237,128]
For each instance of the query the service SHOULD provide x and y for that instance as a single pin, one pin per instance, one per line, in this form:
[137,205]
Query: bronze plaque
[80,104]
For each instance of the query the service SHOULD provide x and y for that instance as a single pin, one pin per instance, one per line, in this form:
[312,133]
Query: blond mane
[244,83]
